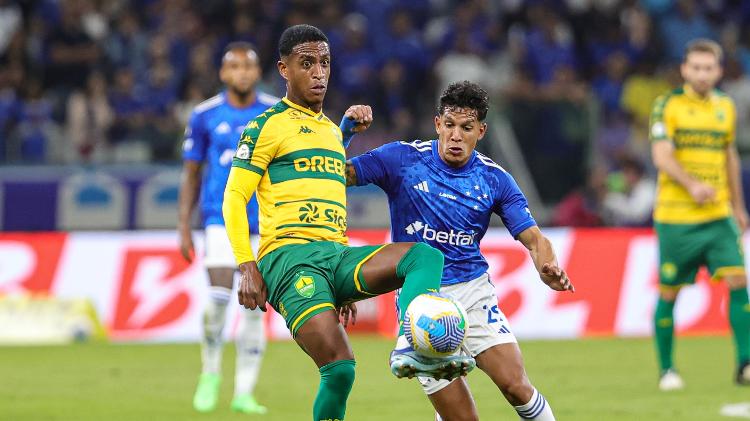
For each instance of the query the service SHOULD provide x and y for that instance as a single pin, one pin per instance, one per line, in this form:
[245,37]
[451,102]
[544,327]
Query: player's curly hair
[465,95]
[299,34]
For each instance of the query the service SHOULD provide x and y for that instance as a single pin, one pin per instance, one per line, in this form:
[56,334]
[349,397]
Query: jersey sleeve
[195,142]
[511,205]
[257,146]
[661,125]
[379,166]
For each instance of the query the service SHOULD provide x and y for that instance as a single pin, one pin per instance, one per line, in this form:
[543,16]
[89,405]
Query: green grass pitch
[591,379]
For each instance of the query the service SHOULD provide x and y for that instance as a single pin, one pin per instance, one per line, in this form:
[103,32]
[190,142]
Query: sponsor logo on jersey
[305,286]
[422,186]
[452,237]
[447,196]
[243,151]
[320,164]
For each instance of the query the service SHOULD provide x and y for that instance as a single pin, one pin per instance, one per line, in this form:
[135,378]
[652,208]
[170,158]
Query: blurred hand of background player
[362,116]
[702,192]
[740,215]
[556,278]
[346,311]
[186,245]
[252,291]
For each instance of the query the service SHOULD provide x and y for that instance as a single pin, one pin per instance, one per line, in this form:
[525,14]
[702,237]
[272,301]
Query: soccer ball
[435,325]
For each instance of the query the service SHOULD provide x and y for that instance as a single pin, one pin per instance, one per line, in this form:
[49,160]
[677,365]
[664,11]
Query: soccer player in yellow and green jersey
[293,156]
[699,214]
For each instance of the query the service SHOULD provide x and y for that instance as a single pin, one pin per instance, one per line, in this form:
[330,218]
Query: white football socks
[251,343]
[214,317]
[536,409]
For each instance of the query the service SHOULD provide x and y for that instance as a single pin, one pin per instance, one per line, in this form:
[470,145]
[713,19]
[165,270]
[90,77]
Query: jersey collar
[443,166]
[229,104]
[690,93]
[303,109]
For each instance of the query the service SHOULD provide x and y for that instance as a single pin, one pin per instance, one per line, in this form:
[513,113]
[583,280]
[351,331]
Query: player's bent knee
[340,373]
[518,390]
[425,254]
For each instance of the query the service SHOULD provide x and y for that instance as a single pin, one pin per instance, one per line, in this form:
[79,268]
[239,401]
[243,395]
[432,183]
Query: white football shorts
[218,253]
[488,326]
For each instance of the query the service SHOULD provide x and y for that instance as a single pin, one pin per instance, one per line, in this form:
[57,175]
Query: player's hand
[346,311]
[702,192]
[361,115]
[186,245]
[740,215]
[556,278]
[252,291]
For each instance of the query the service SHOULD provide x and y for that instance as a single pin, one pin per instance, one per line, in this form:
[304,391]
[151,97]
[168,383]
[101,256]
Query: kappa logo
[305,130]
[305,286]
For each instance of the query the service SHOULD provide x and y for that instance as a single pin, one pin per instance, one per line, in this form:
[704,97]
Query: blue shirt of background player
[211,137]
[445,207]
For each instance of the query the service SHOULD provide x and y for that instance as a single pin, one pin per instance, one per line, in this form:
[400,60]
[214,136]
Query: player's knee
[339,373]
[518,390]
[426,253]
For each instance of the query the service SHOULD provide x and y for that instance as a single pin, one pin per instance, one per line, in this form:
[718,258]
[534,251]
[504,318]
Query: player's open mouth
[455,150]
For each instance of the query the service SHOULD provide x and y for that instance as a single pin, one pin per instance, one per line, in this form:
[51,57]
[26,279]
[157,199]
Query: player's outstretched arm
[241,184]
[189,190]
[543,256]
[351,174]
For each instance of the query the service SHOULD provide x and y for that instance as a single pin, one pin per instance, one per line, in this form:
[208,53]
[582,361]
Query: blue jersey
[445,207]
[211,137]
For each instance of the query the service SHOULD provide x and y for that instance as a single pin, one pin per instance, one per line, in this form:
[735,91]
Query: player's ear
[482,130]
[437,124]
[283,69]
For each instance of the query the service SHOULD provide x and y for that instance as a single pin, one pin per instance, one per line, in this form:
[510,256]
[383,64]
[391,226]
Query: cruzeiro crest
[305,286]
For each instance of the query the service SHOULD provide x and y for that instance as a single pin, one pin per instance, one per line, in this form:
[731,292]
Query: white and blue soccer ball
[435,325]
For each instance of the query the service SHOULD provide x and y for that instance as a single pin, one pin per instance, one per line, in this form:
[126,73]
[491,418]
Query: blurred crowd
[114,81]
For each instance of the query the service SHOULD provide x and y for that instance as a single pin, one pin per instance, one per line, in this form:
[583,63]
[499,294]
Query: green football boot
[207,392]
[246,404]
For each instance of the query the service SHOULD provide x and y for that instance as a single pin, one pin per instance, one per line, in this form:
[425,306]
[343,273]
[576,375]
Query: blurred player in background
[699,215]
[442,192]
[211,139]
[294,156]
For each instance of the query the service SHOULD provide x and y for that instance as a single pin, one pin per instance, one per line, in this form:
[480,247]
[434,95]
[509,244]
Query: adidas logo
[422,187]
[305,130]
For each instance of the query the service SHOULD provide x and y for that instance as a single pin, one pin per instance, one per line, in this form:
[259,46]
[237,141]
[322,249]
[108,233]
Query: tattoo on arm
[351,174]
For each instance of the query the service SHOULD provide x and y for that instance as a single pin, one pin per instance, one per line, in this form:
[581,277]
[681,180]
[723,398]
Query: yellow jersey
[701,130]
[301,193]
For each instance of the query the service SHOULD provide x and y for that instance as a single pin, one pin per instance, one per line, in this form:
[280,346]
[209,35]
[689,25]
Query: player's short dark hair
[299,34]
[704,45]
[238,45]
[465,95]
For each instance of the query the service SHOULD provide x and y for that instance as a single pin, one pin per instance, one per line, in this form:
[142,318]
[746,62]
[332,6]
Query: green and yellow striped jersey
[701,130]
[302,191]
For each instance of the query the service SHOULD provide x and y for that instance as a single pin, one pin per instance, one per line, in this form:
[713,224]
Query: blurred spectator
[737,85]
[89,120]
[355,64]
[461,62]
[549,44]
[36,138]
[630,199]
[608,86]
[71,53]
[10,22]
[128,44]
[686,24]
[129,108]
[581,207]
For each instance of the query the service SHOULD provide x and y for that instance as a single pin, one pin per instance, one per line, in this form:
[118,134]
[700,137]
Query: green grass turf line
[592,379]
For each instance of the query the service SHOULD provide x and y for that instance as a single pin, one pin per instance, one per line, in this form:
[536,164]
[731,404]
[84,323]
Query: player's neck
[698,94]
[297,100]
[240,101]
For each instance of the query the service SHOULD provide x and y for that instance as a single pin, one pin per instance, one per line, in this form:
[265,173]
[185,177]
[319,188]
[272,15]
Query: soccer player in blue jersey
[209,146]
[442,192]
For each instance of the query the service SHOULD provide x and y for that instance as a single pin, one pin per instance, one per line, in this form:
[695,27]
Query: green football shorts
[306,279]
[683,248]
